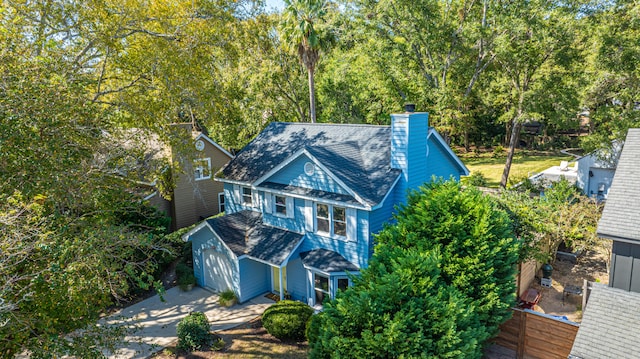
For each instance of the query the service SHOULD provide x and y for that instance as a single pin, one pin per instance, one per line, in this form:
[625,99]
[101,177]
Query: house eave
[445,146]
[617,238]
[311,198]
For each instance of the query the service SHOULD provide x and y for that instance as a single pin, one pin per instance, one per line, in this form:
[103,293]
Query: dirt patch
[249,340]
[592,266]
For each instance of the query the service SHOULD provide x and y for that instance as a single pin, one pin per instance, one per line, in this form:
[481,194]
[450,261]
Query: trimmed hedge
[287,319]
[193,331]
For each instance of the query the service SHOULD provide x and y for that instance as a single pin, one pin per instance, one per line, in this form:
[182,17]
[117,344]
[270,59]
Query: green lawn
[524,164]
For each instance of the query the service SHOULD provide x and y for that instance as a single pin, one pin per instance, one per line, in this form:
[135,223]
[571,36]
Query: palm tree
[299,33]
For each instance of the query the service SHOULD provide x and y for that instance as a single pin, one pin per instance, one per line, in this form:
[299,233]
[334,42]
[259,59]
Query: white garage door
[218,270]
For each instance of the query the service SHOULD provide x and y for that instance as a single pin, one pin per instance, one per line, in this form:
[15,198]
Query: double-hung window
[281,205]
[247,197]
[331,220]
[202,169]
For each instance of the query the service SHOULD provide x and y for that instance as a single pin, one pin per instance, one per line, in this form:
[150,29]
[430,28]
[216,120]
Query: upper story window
[247,197]
[281,205]
[278,205]
[202,169]
[331,220]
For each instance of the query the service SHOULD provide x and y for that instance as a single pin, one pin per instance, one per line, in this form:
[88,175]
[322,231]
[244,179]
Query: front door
[276,279]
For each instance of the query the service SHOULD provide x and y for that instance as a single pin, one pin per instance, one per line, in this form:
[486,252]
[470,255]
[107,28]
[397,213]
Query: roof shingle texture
[358,155]
[327,261]
[621,215]
[610,325]
[244,233]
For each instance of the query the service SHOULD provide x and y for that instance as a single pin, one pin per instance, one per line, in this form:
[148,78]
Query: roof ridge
[321,124]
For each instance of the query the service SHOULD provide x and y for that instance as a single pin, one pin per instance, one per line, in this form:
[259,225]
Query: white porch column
[281,284]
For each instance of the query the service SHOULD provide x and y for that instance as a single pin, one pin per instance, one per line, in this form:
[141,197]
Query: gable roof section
[244,234]
[434,135]
[610,325]
[620,217]
[213,143]
[357,155]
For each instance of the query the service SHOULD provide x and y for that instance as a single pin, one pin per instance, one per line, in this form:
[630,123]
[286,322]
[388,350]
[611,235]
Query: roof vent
[410,107]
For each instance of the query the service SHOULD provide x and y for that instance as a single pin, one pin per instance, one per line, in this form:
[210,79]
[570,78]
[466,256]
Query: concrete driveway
[158,320]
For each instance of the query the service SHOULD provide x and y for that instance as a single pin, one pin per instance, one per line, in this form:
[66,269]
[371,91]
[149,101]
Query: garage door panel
[218,271]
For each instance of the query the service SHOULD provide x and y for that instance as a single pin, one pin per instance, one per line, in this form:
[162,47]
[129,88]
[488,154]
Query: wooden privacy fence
[534,335]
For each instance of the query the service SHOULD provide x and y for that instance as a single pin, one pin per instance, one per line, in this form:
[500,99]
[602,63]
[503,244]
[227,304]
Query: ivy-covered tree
[440,282]
[543,222]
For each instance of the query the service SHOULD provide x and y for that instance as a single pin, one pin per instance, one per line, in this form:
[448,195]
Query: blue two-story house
[302,202]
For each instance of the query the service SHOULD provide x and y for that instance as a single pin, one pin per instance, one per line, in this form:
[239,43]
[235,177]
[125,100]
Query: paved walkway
[158,320]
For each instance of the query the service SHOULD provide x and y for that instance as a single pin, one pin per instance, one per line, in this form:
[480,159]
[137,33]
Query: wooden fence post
[521,335]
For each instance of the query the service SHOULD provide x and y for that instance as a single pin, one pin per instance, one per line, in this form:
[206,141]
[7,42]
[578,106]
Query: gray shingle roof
[610,325]
[621,216]
[244,233]
[327,261]
[359,155]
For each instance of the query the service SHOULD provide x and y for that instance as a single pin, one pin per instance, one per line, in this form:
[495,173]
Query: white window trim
[221,202]
[270,205]
[331,232]
[313,285]
[283,205]
[243,195]
[196,166]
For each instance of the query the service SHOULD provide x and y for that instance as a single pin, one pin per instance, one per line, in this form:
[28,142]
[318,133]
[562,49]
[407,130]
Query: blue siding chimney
[409,132]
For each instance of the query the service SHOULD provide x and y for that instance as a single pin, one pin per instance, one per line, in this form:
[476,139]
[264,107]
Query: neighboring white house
[556,173]
[596,170]
[592,173]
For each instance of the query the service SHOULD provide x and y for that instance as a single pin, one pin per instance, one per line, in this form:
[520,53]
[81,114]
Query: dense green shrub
[287,319]
[193,331]
[477,179]
[439,284]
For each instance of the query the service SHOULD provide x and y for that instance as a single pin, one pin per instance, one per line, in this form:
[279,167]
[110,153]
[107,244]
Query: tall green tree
[534,54]
[441,281]
[299,30]
[613,76]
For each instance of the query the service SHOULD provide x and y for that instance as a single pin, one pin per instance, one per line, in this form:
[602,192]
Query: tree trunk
[513,142]
[312,96]
[467,147]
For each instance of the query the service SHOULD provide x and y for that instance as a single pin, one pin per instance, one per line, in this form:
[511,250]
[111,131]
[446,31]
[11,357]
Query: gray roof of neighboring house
[359,155]
[610,325]
[327,261]
[621,216]
[244,233]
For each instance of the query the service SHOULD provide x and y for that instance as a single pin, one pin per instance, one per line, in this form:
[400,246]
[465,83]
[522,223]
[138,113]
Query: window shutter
[268,202]
[237,196]
[308,216]
[255,199]
[289,202]
[352,224]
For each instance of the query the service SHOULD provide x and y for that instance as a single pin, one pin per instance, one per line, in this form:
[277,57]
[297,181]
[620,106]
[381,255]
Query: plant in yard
[440,282]
[193,331]
[287,319]
[477,179]
[186,281]
[228,298]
